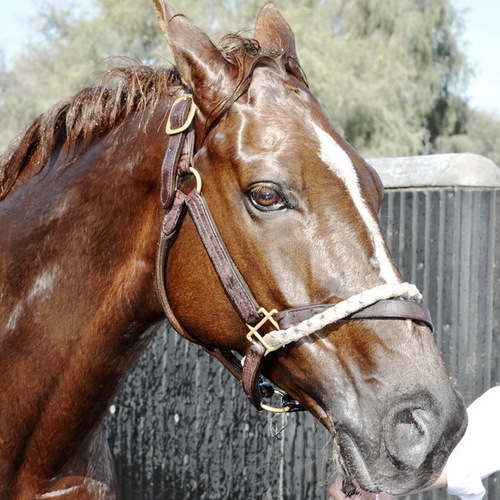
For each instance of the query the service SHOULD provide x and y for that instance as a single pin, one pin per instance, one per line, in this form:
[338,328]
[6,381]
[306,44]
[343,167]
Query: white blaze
[341,165]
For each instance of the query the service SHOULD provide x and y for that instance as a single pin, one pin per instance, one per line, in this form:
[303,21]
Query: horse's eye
[267,198]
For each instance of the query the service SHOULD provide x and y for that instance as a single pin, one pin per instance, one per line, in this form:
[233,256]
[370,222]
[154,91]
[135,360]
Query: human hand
[341,491]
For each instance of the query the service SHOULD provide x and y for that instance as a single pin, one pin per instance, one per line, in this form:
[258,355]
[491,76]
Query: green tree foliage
[391,74]
[480,134]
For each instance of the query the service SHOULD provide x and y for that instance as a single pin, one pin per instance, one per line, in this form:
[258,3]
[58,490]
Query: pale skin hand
[335,491]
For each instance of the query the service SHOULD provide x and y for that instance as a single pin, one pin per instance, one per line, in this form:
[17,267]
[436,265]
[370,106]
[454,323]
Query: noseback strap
[299,323]
[365,304]
[383,309]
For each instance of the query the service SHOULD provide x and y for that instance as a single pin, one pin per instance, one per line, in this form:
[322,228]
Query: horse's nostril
[409,436]
[411,417]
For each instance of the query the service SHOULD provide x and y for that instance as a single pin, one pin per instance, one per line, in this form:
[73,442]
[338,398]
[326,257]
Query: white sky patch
[341,165]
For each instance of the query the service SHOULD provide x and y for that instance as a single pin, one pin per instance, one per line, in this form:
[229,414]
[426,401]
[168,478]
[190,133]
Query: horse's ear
[273,32]
[200,64]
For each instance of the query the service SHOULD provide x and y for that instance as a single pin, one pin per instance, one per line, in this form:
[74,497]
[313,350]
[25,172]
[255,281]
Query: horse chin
[350,462]
[380,475]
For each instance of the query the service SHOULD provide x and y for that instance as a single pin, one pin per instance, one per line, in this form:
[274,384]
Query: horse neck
[77,286]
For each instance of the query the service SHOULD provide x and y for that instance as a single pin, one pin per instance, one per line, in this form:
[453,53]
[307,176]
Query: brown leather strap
[176,163]
[170,223]
[169,226]
[168,172]
[252,368]
[383,309]
[231,279]
[179,151]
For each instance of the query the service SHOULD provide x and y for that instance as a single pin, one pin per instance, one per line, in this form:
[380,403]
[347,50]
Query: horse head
[296,207]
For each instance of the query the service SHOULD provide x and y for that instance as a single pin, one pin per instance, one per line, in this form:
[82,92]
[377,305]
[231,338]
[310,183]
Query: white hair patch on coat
[341,165]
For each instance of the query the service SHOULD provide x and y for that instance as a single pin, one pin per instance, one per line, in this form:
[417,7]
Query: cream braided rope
[337,312]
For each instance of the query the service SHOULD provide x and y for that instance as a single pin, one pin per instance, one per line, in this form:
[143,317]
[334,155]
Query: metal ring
[273,409]
[197,176]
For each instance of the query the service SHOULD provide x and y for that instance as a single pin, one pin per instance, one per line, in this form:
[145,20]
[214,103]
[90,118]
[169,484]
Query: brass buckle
[254,330]
[189,119]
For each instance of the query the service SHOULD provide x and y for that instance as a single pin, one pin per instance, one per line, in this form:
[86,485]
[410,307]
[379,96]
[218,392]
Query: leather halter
[177,166]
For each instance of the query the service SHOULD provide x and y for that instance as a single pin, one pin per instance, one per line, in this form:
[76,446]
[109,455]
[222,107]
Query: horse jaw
[393,421]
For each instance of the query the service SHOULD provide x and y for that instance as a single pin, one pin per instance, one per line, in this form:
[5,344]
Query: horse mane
[246,54]
[74,123]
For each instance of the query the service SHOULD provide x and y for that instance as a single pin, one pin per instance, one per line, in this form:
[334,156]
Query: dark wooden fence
[181,427]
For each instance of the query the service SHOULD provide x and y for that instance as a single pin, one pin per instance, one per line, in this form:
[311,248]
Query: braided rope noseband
[280,338]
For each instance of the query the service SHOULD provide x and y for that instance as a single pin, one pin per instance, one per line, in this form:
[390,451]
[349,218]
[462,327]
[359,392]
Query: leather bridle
[177,166]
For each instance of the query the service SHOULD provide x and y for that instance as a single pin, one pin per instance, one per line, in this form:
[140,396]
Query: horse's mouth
[350,462]
[355,469]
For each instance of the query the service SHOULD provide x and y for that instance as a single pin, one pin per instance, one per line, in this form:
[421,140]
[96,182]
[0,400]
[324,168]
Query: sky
[481,37]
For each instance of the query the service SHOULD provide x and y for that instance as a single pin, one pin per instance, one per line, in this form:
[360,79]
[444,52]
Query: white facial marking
[131,164]
[341,165]
[140,264]
[60,209]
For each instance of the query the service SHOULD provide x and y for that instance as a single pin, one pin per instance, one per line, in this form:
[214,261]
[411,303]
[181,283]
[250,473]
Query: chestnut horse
[256,201]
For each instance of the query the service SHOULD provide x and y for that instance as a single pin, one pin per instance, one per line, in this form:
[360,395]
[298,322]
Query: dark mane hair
[246,55]
[94,111]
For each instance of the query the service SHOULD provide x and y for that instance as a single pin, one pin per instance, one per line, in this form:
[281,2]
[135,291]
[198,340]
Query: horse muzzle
[410,450]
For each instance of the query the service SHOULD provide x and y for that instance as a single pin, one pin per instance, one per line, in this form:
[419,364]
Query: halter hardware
[274,409]
[254,330]
[192,110]
[177,163]
[197,176]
